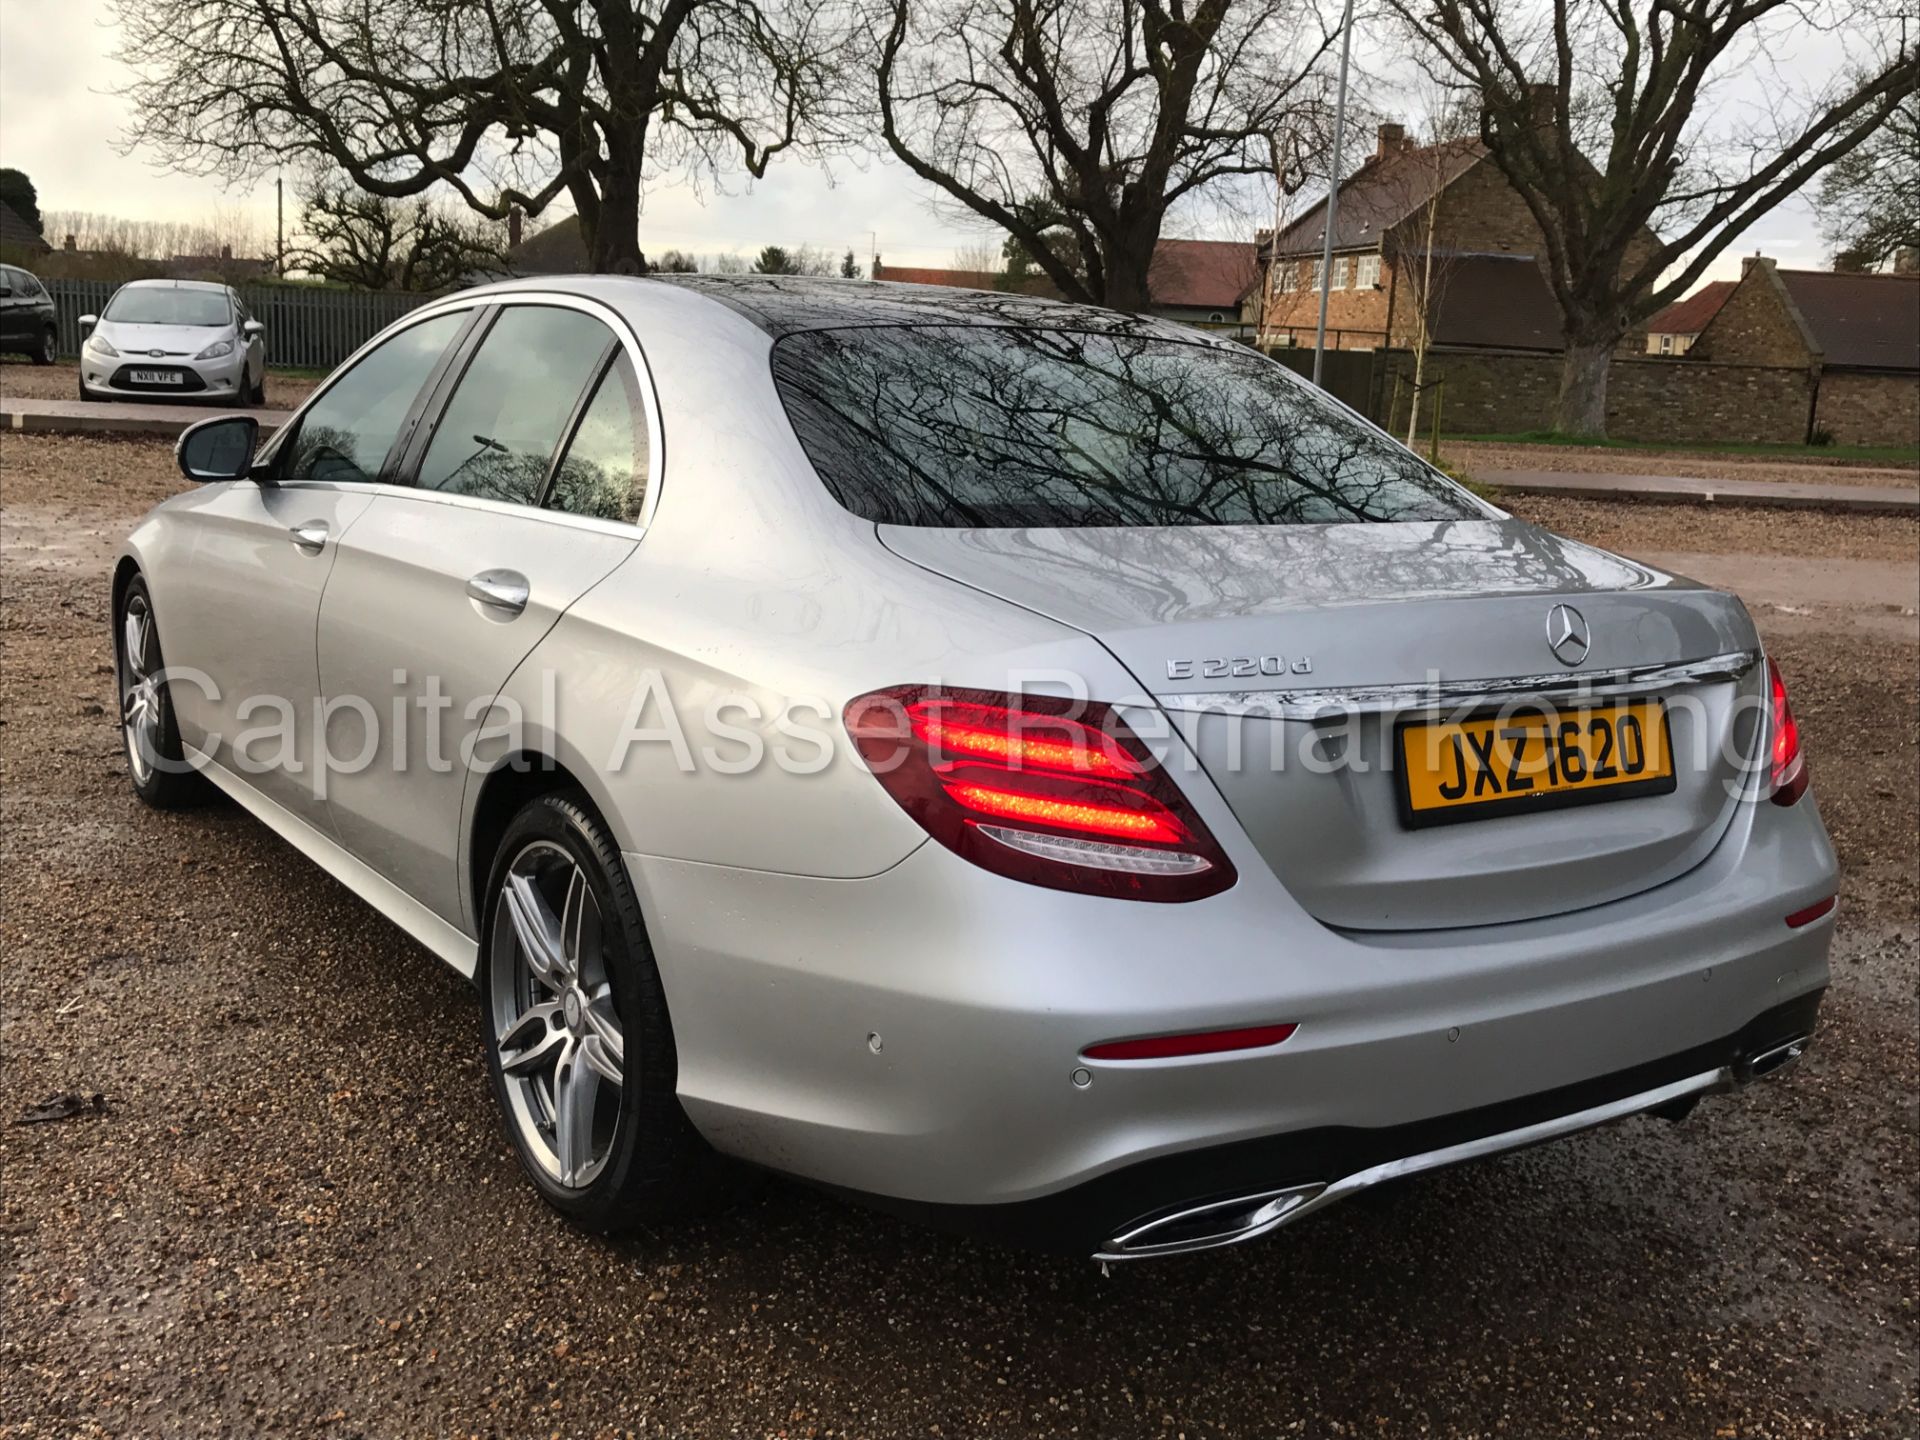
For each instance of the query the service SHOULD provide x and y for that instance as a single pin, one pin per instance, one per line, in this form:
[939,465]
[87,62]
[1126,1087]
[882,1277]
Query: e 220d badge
[1238,667]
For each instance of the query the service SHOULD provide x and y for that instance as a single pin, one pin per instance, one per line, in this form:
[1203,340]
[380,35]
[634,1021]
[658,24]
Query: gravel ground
[1483,461]
[297,1214]
[24,380]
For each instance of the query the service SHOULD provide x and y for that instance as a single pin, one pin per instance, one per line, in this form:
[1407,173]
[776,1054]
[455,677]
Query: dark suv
[27,325]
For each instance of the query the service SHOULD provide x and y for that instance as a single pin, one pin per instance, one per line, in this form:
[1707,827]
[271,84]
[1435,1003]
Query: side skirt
[444,939]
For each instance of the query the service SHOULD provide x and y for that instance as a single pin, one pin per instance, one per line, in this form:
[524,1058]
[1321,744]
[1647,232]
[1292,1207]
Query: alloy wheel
[141,699]
[560,1043]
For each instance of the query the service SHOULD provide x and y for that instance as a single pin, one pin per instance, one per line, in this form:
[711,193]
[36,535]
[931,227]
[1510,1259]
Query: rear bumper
[1223,1195]
[916,1037]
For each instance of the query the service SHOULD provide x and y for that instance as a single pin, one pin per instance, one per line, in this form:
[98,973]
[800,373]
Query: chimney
[1747,262]
[1540,100]
[226,252]
[69,245]
[513,226]
[1392,137]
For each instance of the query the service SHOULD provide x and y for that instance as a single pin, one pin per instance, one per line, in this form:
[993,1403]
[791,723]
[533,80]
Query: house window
[1366,272]
[1314,275]
[1666,344]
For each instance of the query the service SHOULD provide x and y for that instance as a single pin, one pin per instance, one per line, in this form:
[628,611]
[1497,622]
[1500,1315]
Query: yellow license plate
[1453,770]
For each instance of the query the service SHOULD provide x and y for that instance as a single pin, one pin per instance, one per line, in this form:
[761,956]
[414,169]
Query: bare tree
[231,231]
[1870,199]
[978,258]
[507,102]
[1421,274]
[1110,112]
[1610,122]
[373,243]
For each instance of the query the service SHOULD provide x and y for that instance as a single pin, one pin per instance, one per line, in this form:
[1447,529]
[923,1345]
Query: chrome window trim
[1450,694]
[626,529]
[599,310]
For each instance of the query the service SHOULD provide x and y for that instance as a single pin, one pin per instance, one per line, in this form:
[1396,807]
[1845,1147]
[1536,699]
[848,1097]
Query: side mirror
[218,449]
[87,322]
[253,327]
[6,291]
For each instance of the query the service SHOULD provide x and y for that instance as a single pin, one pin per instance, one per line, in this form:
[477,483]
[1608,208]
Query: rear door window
[1001,426]
[497,435]
[604,471]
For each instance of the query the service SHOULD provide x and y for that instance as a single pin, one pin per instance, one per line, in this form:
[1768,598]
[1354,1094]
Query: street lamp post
[1333,189]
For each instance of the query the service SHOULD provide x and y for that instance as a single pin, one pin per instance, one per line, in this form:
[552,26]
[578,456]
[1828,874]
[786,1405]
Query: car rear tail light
[1053,792]
[1788,768]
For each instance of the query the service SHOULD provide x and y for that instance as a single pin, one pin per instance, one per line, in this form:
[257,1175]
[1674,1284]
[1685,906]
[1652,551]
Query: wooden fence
[307,328]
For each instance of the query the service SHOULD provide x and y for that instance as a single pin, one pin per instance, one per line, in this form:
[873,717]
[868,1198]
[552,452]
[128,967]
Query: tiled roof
[955,279]
[559,249]
[1380,194]
[1499,302]
[15,231]
[1690,316]
[1870,321]
[1203,274]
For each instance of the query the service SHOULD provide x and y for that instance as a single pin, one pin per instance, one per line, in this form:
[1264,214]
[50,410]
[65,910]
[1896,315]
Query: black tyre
[258,394]
[48,349]
[574,1020]
[156,763]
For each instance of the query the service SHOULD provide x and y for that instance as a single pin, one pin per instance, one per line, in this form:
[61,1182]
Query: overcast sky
[59,122]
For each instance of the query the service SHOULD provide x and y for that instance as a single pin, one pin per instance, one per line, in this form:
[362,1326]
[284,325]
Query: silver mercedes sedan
[1048,772]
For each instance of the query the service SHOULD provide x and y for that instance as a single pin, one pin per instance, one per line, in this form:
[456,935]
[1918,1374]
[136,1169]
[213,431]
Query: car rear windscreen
[141,305]
[964,426]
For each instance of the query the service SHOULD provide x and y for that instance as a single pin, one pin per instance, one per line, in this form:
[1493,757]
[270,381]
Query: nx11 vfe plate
[156,377]
[1454,770]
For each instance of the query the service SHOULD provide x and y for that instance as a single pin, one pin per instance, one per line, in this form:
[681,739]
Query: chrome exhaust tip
[1773,1061]
[1209,1226]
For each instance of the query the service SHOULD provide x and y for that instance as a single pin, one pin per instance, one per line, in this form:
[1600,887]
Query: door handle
[310,538]
[502,590]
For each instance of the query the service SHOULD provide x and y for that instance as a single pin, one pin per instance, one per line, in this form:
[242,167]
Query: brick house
[1197,282]
[1856,335]
[1673,330]
[1479,227]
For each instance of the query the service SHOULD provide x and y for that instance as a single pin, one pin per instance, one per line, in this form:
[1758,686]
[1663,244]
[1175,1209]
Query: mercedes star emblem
[1567,634]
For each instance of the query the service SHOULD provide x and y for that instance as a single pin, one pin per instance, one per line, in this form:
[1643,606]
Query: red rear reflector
[1207,1042]
[1812,912]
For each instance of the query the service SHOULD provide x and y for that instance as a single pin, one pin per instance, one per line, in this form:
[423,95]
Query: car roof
[787,304]
[174,285]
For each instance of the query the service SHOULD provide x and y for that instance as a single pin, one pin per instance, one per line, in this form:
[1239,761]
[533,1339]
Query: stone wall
[1864,407]
[1648,398]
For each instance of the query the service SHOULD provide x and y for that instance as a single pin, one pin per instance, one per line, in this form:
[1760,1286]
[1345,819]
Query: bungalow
[1857,335]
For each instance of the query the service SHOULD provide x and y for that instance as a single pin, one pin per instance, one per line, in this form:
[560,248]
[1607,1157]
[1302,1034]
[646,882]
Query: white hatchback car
[174,337]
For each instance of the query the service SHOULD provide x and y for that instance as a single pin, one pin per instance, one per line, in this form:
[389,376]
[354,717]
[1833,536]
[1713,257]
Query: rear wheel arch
[505,791]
